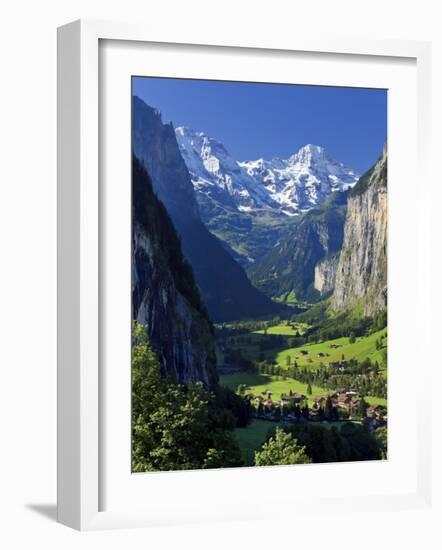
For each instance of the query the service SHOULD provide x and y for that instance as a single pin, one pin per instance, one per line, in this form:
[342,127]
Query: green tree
[362,407]
[328,408]
[309,389]
[175,427]
[281,449]
[381,438]
[352,338]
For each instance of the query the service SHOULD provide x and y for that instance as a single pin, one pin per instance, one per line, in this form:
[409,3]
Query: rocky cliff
[164,295]
[325,274]
[288,270]
[223,283]
[361,277]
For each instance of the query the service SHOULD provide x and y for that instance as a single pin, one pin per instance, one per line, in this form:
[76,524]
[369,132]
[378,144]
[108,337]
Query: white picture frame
[79,274]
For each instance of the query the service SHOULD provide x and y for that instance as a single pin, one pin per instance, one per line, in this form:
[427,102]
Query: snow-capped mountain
[289,186]
[302,181]
[216,174]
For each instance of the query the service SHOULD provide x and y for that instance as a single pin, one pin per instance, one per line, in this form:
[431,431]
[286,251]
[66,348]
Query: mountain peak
[309,154]
[186,131]
[311,147]
[289,186]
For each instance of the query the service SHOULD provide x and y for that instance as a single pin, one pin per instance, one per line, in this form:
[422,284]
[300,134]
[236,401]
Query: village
[331,384]
[340,364]
[336,406]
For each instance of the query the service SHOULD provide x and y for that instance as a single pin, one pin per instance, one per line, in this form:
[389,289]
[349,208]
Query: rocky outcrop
[164,295]
[361,277]
[325,274]
[289,268]
[223,283]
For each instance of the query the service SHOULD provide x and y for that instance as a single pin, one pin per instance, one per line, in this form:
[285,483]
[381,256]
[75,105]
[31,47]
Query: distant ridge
[223,284]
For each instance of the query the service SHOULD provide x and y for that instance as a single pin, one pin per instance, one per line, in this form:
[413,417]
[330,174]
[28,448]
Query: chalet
[295,398]
[373,410]
[338,364]
[344,401]
[320,401]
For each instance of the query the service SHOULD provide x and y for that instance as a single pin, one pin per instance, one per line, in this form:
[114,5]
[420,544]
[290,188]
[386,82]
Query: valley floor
[272,380]
[259,384]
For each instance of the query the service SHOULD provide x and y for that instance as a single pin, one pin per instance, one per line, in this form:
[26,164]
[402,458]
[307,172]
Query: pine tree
[362,408]
[328,408]
[281,449]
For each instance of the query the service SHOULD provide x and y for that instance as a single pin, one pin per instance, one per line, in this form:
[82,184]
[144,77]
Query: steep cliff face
[224,286]
[361,277]
[325,274]
[288,270]
[164,294]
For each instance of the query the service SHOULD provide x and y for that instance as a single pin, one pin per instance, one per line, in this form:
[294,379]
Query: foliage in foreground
[281,449]
[320,443]
[349,442]
[175,427]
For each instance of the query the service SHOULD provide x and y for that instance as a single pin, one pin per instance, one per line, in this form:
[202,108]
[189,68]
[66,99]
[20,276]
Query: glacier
[287,186]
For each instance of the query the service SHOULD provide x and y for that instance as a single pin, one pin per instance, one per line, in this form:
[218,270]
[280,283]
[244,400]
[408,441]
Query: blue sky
[274,120]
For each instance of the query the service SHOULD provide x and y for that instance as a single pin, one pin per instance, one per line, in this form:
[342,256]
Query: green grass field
[252,437]
[259,383]
[363,347]
[285,329]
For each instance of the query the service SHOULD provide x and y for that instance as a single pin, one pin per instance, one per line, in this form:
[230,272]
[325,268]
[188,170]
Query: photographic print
[259,274]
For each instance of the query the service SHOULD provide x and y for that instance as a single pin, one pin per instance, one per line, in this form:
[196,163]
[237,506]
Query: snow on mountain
[215,173]
[302,181]
[290,186]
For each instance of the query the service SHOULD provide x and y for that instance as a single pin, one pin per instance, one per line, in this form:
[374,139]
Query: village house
[373,410]
[295,398]
[320,401]
[341,365]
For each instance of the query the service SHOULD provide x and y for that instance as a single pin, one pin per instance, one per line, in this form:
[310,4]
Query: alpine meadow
[259,274]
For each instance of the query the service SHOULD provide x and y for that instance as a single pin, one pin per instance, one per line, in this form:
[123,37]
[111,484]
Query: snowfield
[290,186]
